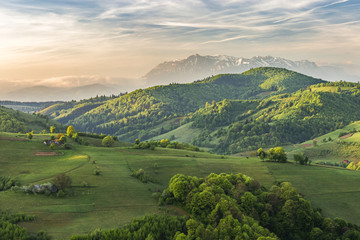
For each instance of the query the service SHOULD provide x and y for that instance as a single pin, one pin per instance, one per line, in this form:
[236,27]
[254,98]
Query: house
[346,161]
[47,142]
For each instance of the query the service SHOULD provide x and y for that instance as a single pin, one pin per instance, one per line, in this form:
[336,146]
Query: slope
[140,110]
[235,126]
[16,121]
[114,197]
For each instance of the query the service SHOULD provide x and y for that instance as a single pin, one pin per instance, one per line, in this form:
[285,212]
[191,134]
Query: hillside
[142,110]
[28,107]
[114,197]
[53,93]
[339,148]
[234,126]
[16,121]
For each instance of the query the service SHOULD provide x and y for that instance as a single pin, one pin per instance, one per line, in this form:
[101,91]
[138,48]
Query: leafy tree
[70,131]
[62,181]
[62,139]
[52,129]
[52,146]
[261,153]
[29,135]
[107,141]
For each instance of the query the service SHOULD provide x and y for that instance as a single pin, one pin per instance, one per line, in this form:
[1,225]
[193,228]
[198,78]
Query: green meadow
[114,197]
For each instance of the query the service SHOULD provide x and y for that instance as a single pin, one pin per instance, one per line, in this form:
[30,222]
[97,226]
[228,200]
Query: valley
[228,116]
[115,197]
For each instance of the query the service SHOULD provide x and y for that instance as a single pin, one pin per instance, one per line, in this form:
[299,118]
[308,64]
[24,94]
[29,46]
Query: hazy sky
[105,39]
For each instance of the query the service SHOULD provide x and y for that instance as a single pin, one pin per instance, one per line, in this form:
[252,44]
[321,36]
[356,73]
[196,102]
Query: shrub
[61,193]
[52,146]
[62,181]
[107,141]
[29,135]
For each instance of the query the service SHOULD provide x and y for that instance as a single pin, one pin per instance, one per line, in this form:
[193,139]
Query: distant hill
[45,93]
[28,107]
[197,67]
[16,121]
[134,115]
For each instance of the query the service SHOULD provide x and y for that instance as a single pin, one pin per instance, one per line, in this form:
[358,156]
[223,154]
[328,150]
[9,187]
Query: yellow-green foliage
[354,166]
[16,121]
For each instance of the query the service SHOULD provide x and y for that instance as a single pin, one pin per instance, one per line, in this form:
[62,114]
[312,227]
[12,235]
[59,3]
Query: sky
[108,40]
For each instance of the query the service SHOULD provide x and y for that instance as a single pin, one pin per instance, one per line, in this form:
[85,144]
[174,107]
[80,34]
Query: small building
[346,161]
[47,142]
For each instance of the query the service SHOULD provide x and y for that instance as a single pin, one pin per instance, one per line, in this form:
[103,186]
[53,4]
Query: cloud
[108,38]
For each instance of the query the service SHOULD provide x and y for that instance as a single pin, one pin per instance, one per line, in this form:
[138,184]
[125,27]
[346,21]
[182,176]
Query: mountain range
[192,68]
[197,67]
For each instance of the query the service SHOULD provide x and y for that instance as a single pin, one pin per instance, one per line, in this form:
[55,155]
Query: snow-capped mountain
[197,67]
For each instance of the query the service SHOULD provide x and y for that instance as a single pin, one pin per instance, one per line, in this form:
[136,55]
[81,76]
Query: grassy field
[115,197]
[183,133]
[330,151]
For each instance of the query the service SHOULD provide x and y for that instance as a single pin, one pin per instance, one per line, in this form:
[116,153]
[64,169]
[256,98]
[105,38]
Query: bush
[61,193]
[52,146]
[62,181]
[107,141]
[29,135]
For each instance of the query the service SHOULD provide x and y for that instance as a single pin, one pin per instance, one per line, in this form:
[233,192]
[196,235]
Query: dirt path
[70,170]
[306,145]
[13,139]
[346,136]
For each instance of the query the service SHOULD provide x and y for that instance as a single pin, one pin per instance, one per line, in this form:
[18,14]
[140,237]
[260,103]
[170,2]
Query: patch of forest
[232,206]
[16,121]
[279,120]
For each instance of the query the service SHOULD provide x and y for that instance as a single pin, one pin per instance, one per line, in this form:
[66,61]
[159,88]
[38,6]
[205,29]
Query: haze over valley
[179,120]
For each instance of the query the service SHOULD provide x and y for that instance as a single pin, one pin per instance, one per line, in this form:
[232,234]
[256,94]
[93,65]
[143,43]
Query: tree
[62,139]
[277,154]
[70,131]
[107,141]
[29,135]
[261,153]
[52,129]
[52,146]
[62,181]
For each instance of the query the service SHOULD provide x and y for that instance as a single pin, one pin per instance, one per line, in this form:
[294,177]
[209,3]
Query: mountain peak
[198,66]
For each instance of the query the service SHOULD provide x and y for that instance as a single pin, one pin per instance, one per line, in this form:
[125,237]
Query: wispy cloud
[40,39]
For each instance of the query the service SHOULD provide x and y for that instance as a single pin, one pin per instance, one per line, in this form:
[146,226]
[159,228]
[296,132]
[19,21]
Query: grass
[330,151]
[115,197]
[333,190]
[183,133]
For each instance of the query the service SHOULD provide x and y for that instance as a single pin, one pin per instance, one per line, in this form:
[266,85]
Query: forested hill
[16,121]
[235,126]
[127,115]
